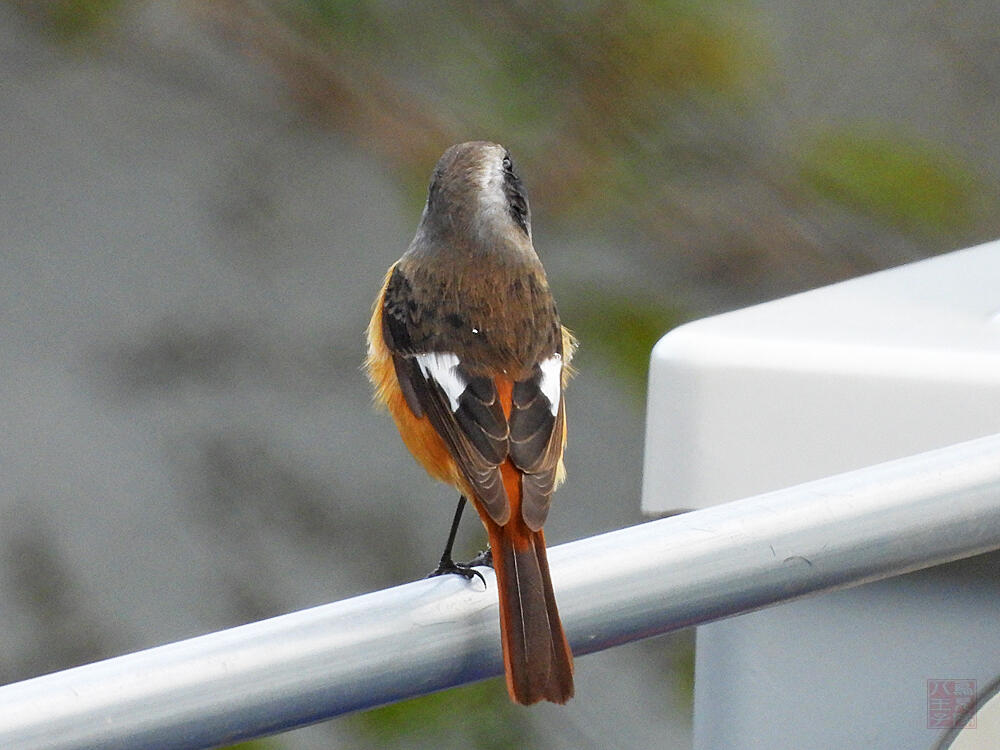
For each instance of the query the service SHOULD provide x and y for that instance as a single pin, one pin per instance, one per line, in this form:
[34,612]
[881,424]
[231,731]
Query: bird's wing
[537,436]
[464,409]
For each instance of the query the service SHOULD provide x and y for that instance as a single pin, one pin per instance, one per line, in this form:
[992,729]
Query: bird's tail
[537,658]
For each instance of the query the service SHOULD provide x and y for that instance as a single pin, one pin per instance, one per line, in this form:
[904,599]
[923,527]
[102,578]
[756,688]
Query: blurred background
[198,201]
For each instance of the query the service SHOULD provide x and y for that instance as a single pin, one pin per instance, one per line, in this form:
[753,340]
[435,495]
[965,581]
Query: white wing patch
[551,382]
[442,367]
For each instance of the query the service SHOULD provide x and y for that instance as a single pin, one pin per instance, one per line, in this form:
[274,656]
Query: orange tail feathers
[537,659]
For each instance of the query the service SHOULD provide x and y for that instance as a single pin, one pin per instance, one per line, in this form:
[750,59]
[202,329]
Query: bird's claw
[450,567]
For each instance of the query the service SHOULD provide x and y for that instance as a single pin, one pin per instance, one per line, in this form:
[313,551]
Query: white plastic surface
[790,391]
[982,732]
[864,371]
[848,669]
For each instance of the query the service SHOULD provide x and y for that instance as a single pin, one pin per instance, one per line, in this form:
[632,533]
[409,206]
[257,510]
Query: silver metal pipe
[414,639]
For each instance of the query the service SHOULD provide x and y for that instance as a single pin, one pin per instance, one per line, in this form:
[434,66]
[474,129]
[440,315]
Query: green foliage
[683,672]
[478,716]
[909,184]
[581,92]
[351,20]
[255,745]
[621,329]
[72,19]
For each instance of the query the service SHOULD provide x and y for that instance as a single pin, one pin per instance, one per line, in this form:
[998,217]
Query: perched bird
[466,350]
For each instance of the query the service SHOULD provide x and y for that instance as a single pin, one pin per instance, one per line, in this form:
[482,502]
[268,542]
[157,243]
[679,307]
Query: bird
[467,352]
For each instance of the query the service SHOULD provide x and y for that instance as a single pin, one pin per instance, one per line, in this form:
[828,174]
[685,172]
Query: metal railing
[303,667]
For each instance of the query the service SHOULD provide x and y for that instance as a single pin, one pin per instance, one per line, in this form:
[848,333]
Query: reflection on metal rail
[641,581]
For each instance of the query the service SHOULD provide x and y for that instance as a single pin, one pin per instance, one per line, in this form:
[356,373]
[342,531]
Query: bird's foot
[447,566]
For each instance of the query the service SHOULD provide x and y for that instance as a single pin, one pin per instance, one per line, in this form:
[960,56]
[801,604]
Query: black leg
[447,565]
[446,555]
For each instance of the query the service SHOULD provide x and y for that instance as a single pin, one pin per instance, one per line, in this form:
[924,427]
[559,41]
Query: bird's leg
[447,565]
